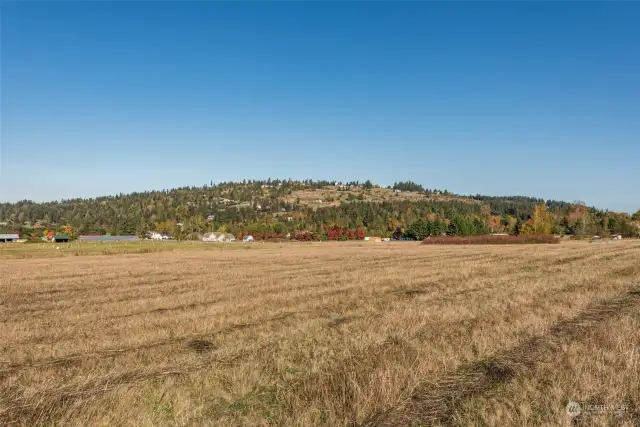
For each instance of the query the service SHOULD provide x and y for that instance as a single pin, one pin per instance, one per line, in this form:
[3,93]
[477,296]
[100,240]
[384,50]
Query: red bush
[490,240]
[304,236]
[334,233]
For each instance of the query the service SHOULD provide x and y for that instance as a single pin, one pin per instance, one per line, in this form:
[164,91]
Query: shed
[5,238]
[60,238]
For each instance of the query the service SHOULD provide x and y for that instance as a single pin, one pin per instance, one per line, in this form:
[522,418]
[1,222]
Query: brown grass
[487,239]
[327,334]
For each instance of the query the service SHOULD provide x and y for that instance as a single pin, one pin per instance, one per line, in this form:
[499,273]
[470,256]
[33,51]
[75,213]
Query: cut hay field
[331,334]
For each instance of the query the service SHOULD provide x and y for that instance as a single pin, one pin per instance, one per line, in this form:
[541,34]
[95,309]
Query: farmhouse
[218,237]
[5,238]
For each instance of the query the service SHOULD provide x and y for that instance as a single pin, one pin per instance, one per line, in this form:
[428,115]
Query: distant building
[218,237]
[7,238]
[60,238]
[247,238]
[155,236]
[108,239]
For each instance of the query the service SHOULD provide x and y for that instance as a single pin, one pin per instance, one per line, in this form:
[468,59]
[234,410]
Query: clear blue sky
[529,98]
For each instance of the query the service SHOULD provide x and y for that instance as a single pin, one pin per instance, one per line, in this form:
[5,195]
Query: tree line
[260,207]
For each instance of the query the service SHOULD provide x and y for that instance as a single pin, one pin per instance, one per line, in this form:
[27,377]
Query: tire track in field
[437,401]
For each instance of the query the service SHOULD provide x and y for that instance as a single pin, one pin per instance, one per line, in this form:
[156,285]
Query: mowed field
[330,334]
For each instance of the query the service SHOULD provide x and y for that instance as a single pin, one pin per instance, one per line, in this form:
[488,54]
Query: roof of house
[108,238]
[9,236]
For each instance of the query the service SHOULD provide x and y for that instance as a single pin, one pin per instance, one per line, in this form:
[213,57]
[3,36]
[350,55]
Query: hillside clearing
[322,334]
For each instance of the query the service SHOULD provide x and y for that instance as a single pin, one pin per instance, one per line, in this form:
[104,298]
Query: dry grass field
[331,334]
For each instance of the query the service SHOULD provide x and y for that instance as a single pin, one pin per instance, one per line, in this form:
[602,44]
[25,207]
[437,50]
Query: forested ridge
[277,208]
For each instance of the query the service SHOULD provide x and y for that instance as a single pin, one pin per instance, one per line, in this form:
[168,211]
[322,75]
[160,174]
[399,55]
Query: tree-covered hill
[280,207]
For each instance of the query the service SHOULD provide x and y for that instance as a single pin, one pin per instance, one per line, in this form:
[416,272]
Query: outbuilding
[7,238]
[60,238]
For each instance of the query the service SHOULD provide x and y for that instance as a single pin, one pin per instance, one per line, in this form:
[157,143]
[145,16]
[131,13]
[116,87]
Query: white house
[218,237]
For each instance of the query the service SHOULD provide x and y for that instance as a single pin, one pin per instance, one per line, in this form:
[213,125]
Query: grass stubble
[323,334]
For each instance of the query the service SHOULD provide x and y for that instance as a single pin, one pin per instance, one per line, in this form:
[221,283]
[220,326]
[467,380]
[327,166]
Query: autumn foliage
[339,233]
[490,240]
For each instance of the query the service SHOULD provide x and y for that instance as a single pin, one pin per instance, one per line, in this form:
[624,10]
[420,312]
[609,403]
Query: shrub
[487,239]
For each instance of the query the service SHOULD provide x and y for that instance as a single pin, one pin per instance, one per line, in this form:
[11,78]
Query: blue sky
[505,98]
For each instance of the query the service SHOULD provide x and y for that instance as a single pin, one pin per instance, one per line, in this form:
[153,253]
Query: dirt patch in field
[201,346]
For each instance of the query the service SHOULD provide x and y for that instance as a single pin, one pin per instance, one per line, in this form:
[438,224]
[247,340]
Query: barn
[6,238]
